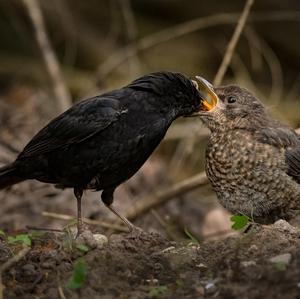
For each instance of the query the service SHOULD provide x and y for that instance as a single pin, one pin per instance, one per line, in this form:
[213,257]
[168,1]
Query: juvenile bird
[101,142]
[252,160]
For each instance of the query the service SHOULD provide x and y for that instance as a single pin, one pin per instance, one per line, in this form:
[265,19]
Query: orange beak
[210,98]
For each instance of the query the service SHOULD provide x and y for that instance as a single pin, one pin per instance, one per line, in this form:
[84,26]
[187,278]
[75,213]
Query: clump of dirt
[264,263]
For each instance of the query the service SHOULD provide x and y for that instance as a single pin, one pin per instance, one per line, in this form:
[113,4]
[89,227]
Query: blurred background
[54,53]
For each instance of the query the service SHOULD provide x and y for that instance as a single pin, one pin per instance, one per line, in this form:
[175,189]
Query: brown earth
[146,265]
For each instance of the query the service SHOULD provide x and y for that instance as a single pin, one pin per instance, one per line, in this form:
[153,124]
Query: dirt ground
[262,263]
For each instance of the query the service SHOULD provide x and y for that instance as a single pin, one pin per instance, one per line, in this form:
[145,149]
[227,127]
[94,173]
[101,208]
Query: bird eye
[231,100]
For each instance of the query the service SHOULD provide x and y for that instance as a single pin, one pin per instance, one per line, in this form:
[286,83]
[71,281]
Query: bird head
[173,92]
[228,107]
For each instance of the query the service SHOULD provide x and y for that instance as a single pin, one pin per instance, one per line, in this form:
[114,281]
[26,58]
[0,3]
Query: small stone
[92,241]
[101,240]
[169,249]
[201,266]
[152,281]
[248,263]
[210,288]
[285,226]
[253,248]
[282,258]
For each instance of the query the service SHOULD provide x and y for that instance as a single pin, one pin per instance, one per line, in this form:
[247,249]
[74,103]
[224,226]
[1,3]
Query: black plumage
[102,141]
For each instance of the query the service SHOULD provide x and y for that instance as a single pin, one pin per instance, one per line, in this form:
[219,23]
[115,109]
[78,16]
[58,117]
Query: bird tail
[9,176]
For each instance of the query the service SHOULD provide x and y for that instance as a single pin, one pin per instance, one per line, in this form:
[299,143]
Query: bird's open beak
[209,97]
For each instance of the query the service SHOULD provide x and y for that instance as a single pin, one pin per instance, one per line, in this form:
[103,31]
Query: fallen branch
[233,42]
[164,195]
[61,92]
[86,220]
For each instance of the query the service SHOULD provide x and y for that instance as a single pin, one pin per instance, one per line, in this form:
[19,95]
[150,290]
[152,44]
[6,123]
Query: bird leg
[107,198]
[78,194]
[124,219]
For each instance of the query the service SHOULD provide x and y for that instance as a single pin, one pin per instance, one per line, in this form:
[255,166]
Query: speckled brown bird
[252,160]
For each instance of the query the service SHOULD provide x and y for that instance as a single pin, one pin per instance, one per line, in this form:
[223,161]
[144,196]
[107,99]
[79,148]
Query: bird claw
[80,229]
[135,232]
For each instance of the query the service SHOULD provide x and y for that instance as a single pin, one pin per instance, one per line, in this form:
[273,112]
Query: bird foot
[81,228]
[135,232]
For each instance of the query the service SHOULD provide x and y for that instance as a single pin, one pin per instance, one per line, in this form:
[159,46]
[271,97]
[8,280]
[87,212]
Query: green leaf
[79,275]
[158,291]
[193,239]
[24,238]
[2,233]
[82,247]
[239,221]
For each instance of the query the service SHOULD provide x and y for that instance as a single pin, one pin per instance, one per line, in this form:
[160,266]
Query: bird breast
[245,173]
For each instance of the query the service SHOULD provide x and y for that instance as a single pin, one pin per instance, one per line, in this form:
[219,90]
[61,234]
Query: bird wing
[293,160]
[288,139]
[75,125]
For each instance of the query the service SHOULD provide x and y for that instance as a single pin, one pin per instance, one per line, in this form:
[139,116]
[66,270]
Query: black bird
[101,142]
[252,160]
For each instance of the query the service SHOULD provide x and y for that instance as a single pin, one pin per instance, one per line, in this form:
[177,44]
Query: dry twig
[61,92]
[61,292]
[233,42]
[164,195]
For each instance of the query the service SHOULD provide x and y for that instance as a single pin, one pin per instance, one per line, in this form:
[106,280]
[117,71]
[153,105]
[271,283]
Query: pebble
[248,263]
[101,240]
[201,266]
[285,226]
[92,240]
[281,258]
[169,249]
[210,288]
[253,248]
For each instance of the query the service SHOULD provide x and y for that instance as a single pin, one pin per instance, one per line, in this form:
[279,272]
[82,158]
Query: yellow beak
[210,98]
